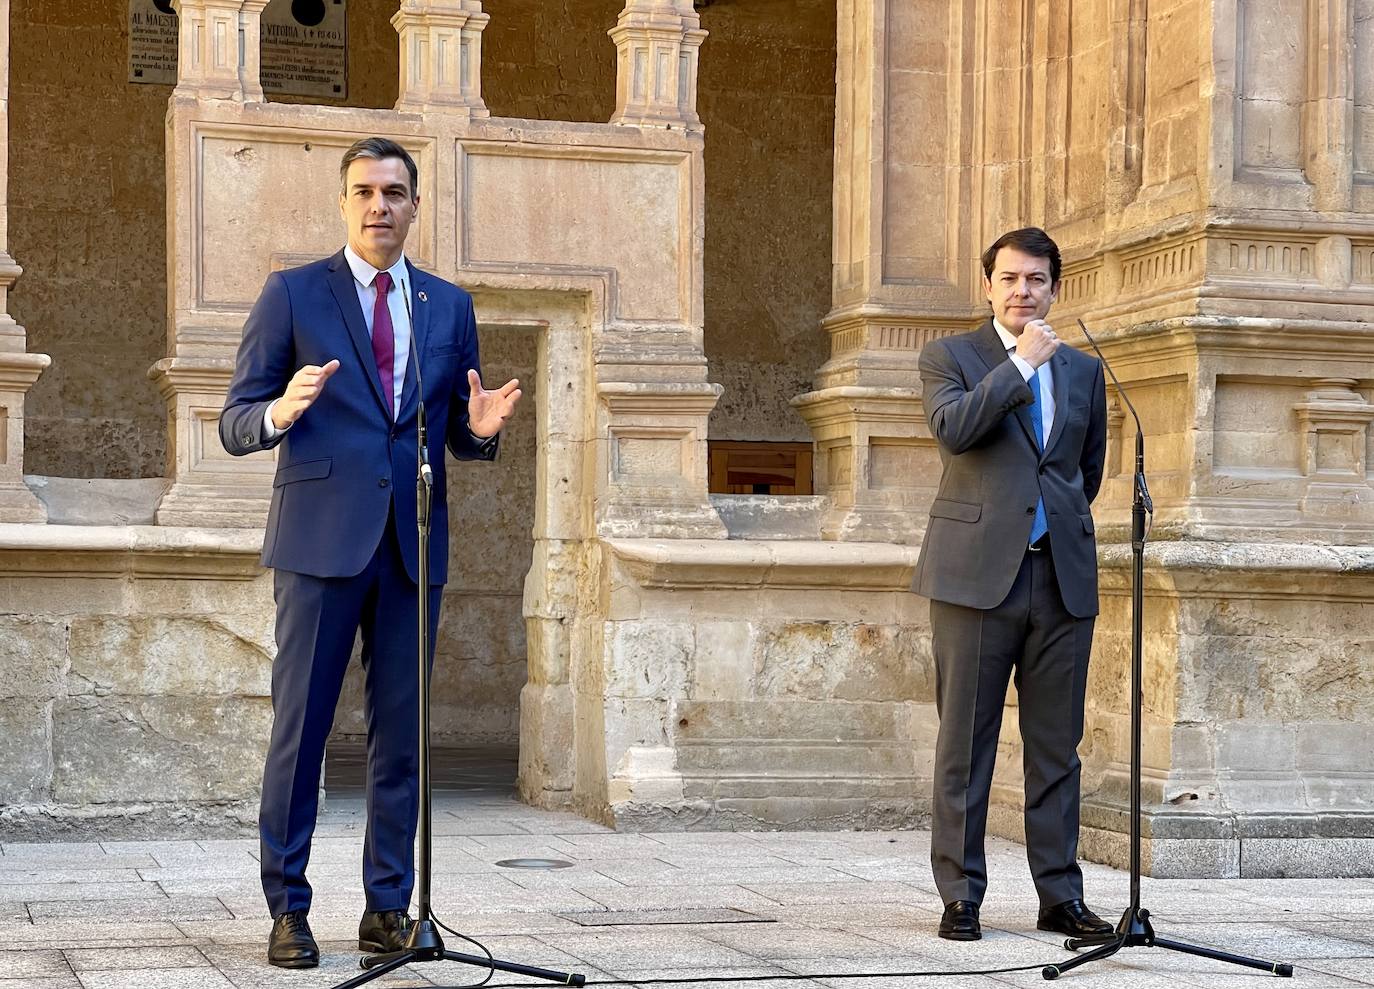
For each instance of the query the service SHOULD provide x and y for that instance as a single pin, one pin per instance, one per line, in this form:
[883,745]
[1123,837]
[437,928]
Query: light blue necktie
[1040,526]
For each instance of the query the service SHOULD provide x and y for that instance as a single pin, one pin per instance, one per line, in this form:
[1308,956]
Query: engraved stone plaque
[305,48]
[152,42]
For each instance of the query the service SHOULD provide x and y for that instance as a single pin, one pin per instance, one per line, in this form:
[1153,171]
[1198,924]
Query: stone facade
[1200,165]
[698,661]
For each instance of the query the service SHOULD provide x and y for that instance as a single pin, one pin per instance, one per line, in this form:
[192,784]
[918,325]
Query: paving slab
[19,964]
[157,978]
[83,960]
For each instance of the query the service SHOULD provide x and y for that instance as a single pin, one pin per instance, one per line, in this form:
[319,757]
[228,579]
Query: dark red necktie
[384,338]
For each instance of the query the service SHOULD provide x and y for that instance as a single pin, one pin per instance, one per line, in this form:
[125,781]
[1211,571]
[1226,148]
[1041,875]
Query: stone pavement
[188,914]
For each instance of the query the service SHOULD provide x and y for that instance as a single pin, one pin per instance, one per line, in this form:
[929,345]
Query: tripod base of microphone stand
[1134,931]
[425,945]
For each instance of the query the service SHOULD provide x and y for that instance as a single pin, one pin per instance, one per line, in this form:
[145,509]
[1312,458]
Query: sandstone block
[546,740]
[113,749]
[821,660]
[33,657]
[647,660]
[166,656]
[723,661]
[1256,747]
[25,745]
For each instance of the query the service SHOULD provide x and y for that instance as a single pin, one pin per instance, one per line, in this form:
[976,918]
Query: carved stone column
[18,369]
[658,42]
[441,56]
[217,54]
[903,264]
[1330,116]
[220,43]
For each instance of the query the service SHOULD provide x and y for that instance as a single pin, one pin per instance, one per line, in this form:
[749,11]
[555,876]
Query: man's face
[1020,289]
[378,207]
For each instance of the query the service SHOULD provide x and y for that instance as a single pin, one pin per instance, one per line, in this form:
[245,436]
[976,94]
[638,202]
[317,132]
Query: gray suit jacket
[977,405]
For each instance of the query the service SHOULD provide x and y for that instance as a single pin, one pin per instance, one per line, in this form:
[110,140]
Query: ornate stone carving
[658,42]
[1335,439]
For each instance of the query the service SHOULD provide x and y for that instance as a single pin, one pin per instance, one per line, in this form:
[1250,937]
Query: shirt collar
[366,274]
[1008,341]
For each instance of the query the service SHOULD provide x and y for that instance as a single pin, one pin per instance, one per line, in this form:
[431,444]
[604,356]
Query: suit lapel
[1059,366]
[342,285]
[419,328]
[989,347]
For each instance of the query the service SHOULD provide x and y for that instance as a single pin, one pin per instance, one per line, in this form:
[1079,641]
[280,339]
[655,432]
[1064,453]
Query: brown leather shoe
[1072,917]
[960,921]
[291,945]
[383,931]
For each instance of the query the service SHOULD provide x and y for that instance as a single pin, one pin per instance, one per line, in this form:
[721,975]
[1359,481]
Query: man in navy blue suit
[327,370]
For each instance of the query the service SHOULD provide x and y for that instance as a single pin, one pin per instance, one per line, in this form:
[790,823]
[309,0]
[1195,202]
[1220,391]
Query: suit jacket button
[382,482]
[1031,510]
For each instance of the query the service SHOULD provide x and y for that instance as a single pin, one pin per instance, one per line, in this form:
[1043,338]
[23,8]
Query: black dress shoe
[384,930]
[960,921]
[291,944]
[1072,917]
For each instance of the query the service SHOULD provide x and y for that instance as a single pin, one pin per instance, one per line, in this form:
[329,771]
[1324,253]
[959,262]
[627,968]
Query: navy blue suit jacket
[345,466]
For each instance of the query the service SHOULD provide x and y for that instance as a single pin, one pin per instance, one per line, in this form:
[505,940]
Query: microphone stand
[1134,929]
[424,943]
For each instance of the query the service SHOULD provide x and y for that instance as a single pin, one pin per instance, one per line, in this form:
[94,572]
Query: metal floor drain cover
[534,864]
[624,918]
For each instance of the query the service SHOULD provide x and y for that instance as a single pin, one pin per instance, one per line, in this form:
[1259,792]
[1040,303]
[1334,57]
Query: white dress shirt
[1043,372]
[364,283]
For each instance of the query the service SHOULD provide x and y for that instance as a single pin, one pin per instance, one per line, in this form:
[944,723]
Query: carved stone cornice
[129,551]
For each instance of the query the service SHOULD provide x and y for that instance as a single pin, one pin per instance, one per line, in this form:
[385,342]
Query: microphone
[422,450]
[1142,492]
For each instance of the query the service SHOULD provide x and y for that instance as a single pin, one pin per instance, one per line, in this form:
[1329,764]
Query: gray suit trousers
[1030,635]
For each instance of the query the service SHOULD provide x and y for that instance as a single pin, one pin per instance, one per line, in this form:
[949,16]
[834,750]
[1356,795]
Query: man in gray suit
[1009,563]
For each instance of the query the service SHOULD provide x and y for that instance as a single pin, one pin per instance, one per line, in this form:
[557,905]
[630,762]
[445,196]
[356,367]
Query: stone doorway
[500,582]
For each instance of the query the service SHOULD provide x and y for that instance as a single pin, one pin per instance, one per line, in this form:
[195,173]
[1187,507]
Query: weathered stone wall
[779,684]
[135,700]
[87,224]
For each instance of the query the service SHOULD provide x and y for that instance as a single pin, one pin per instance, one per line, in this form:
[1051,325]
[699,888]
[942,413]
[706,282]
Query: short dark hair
[379,148]
[1027,240]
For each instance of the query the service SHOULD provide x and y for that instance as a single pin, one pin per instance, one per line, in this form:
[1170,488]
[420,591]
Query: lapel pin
[423,297]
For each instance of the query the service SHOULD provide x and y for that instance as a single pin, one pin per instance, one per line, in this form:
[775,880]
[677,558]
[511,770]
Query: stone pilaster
[652,467]
[219,60]
[900,279]
[1330,116]
[18,369]
[441,56]
[1334,425]
[209,488]
[658,43]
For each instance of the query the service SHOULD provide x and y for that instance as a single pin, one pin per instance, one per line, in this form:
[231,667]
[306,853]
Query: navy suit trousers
[318,619]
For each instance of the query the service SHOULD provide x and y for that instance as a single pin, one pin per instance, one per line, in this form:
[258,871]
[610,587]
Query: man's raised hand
[305,386]
[489,410]
[1037,343]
